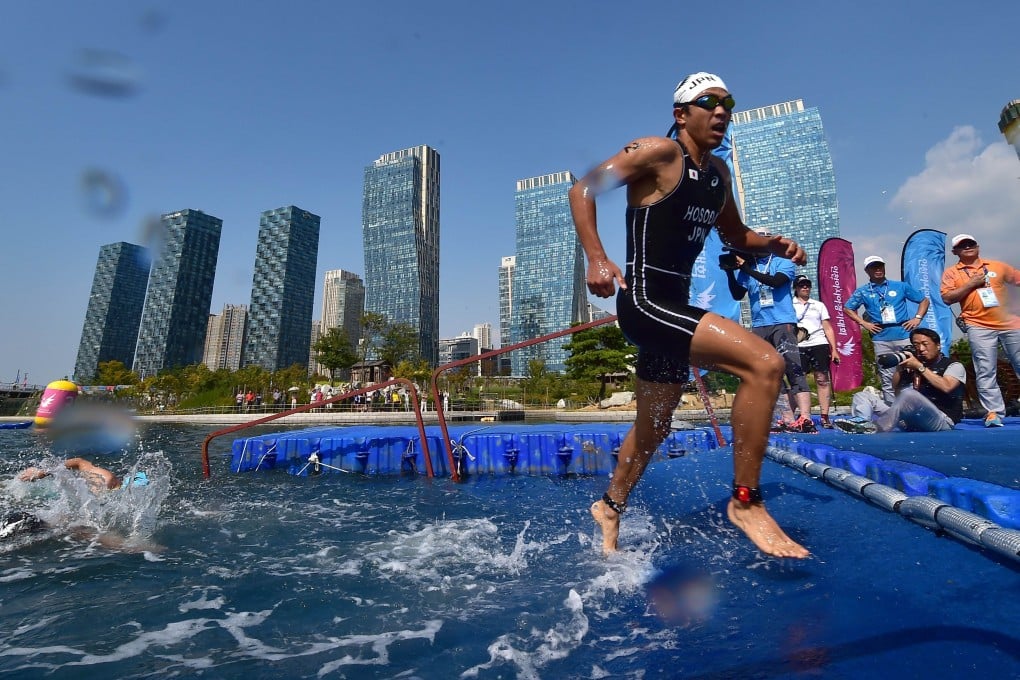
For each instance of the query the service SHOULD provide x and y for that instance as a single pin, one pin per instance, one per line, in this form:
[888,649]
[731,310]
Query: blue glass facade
[785,178]
[548,282]
[282,289]
[115,309]
[176,311]
[400,225]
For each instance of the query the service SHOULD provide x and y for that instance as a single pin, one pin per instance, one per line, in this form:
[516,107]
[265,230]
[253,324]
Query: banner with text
[837,280]
[922,262]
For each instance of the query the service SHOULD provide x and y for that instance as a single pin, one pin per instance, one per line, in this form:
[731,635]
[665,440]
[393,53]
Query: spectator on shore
[766,281]
[981,288]
[889,321]
[818,346]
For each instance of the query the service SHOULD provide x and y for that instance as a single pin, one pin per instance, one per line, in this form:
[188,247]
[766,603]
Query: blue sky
[236,108]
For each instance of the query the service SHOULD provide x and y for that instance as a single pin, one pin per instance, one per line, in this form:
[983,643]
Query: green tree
[596,353]
[372,326]
[114,372]
[399,342]
[334,351]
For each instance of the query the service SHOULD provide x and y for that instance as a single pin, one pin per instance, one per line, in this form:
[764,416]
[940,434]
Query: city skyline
[105,151]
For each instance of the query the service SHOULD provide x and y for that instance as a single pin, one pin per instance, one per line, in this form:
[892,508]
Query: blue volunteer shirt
[781,309]
[873,297]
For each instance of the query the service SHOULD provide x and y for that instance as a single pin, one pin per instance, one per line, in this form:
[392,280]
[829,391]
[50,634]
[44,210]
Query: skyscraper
[548,286]
[506,297]
[784,176]
[482,332]
[400,223]
[176,311]
[115,309]
[343,303]
[224,338]
[283,289]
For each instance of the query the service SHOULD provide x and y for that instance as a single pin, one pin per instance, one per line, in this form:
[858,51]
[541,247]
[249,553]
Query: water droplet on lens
[104,73]
[104,192]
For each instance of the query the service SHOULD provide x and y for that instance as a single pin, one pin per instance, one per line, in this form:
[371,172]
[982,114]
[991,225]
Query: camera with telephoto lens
[894,358]
[728,258]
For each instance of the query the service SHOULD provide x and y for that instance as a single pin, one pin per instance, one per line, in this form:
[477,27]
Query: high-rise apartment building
[343,303]
[506,297]
[313,361]
[548,286]
[400,224]
[482,332]
[224,338]
[784,175]
[283,289]
[176,311]
[115,309]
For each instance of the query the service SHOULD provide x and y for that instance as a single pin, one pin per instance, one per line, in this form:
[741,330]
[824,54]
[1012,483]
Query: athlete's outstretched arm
[632,165]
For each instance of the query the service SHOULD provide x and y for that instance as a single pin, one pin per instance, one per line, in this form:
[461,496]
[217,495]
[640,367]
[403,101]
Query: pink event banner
[837,280]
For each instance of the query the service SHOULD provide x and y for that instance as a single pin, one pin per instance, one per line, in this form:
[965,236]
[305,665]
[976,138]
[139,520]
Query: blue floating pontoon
[555,449]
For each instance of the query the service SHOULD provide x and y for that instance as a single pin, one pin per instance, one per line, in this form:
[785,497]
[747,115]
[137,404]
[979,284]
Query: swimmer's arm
[31,474]
[108,479]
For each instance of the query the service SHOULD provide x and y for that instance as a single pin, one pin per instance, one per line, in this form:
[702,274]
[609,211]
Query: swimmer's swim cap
[137,479]
[688,89]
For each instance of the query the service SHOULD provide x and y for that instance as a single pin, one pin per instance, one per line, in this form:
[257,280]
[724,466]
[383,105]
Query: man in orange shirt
[980,286]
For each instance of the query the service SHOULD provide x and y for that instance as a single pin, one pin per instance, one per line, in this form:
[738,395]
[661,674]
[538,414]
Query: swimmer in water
[98,479]
[677,191]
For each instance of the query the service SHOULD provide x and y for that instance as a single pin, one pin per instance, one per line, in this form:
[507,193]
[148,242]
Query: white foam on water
[552,644]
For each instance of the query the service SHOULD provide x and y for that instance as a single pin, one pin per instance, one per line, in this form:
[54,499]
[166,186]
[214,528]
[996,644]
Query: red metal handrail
[485,355]
[307,407]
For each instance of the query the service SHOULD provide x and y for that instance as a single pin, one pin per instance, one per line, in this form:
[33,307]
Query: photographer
[929,391]
[767,282]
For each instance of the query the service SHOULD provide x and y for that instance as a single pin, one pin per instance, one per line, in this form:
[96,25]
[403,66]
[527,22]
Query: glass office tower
[785,180]
[548,285]
[176,311]
[400,224]
[115,309]
[282,289]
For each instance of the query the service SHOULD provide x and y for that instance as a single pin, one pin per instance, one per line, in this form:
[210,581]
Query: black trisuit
[663,241]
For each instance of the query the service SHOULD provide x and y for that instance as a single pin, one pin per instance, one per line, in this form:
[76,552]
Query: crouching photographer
[929,391]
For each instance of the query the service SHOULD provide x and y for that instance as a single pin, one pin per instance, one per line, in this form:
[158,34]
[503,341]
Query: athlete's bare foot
[755,521]
[609,520]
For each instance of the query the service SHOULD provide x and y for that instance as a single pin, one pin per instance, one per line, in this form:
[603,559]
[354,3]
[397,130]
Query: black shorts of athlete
[815,358]
[783,336]
[654,316]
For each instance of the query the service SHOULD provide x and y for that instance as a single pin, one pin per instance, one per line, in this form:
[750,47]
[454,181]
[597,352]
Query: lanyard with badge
[986,292]
[886,310]
[765,298]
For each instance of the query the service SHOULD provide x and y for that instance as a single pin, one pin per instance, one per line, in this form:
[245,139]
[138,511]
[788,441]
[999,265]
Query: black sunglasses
[963,245]
[710,101]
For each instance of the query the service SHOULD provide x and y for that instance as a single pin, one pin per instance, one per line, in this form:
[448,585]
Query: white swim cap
[688,89]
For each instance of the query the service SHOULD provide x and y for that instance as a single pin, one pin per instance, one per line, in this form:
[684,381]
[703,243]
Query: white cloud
[967,186]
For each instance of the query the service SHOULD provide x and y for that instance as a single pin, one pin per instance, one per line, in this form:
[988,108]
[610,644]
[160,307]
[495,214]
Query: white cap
[872,259]
[688,89]
[962,237]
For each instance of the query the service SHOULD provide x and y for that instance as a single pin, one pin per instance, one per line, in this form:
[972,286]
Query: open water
[267,575]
